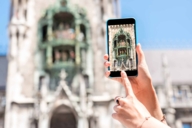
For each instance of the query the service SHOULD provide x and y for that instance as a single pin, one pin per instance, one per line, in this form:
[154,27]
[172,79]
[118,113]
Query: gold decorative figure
[64,56]
[57,56]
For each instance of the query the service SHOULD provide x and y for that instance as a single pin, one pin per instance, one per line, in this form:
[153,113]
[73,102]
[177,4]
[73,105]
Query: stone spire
[169,111]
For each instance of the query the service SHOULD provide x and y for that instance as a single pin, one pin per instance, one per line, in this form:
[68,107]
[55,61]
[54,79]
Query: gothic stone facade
[55,72]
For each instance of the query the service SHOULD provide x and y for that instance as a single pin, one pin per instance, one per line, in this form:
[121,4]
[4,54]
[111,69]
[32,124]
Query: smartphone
[121,44]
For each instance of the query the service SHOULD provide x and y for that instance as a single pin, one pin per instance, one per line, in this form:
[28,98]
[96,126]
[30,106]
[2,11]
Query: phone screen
[121,47]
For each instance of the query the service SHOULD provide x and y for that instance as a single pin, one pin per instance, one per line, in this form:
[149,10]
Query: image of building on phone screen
[122,47]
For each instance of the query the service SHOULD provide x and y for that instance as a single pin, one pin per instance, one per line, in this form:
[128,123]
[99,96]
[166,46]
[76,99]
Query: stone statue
[72,56]
[64,56]
[59,32]
[115,65]
[57,56]
[123,67]
[130,51]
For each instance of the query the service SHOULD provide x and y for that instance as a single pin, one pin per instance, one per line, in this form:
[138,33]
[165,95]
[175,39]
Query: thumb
[126,84]
[140,53]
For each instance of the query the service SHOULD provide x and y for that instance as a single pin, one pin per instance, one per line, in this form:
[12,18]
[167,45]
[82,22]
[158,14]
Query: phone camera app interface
[122,52]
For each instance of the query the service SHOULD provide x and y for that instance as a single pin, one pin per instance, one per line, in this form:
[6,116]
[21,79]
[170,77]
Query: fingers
[117,99]
[126,83]
[117,108]
[118,117]
[107,73]
[106,56]
[140,53]
[106,64]
[115,116]
[120,101]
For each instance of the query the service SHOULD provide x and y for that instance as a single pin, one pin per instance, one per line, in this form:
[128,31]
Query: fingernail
[107,73]
[139,44]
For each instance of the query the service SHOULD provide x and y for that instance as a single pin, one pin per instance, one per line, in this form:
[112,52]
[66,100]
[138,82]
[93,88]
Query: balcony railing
[178,100]
[181,101]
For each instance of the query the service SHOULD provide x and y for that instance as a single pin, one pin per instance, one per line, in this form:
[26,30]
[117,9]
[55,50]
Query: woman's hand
[131,112]
[142,85]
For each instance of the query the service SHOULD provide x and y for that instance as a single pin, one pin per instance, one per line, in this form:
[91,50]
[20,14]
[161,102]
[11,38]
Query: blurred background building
[53,72]
[55,69]
[3,76]
[171,72]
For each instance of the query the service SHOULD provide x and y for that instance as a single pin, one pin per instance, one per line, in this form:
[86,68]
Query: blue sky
[161,24]
[4,11]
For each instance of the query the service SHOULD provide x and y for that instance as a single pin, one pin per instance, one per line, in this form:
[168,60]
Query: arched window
[63,117]
[82,34]
[44,33]
[122,40]
[128,41]
[64,53]
[115,44]
[63,25]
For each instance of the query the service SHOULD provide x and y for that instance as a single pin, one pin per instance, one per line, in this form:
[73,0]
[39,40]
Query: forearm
[155,108]
[151,103]
[156,111]
[153,123]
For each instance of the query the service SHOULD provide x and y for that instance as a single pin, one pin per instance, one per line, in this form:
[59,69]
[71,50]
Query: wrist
[153,123]
[155,110]
[163,120]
